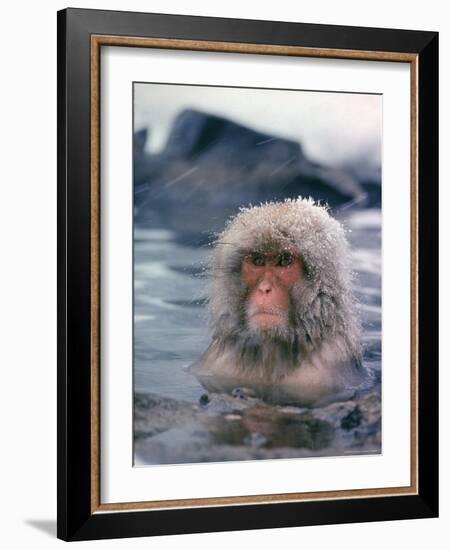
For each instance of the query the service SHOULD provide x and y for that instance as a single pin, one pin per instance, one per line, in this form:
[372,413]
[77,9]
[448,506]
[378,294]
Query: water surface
[170,333]
[170,319]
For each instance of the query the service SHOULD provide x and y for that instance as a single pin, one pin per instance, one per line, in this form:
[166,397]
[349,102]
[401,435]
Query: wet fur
[319,350]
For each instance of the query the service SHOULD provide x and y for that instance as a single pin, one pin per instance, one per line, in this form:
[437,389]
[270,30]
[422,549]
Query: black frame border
[75,520]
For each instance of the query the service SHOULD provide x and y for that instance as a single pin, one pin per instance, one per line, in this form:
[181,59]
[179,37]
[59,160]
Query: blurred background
[202,152]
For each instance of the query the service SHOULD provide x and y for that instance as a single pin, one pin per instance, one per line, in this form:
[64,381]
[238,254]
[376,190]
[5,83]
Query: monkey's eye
[258,261]
[285,259]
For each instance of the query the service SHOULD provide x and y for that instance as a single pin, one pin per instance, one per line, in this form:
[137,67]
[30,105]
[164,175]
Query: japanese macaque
[282,312]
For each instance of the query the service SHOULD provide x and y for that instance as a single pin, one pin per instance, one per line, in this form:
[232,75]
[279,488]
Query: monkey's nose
[265,287]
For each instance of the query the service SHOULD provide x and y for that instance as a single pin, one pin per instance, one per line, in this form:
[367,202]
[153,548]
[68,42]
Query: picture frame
[81,513]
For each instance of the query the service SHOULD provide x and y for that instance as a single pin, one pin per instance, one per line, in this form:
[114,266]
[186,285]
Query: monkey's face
[269,277]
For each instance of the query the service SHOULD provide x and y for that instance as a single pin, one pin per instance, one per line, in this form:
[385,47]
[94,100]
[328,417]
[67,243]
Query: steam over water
[170,319]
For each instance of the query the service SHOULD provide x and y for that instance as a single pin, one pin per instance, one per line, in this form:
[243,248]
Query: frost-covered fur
[319,351]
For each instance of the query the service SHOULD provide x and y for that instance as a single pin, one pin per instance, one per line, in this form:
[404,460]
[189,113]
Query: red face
[269,278]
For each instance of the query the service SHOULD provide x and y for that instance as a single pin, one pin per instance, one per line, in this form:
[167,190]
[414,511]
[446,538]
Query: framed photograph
[247,286]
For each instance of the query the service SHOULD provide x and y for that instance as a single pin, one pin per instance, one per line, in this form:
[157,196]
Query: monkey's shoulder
[330,369]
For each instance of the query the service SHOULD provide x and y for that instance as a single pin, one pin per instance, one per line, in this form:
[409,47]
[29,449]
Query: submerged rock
[225,428]
[352,419]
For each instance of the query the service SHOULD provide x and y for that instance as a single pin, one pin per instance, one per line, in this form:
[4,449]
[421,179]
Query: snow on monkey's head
[281,270]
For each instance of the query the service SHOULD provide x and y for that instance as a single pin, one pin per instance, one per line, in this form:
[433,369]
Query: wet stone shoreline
[223,427]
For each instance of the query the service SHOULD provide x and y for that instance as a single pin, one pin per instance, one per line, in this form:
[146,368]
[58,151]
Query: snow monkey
[283,316]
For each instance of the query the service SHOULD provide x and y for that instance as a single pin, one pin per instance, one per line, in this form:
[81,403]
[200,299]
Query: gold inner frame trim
[97,41]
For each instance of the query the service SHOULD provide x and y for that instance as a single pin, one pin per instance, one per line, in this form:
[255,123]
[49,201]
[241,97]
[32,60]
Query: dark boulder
[211,166]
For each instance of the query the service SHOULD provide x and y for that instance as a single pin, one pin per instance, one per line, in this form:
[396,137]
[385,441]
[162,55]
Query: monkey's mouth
[266,313]
[267,317]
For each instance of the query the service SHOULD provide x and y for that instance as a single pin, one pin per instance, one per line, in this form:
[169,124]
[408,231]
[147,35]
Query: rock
[211,166]
[352,419]
[154,414]
[168,431]
[242,393]
[204,399]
